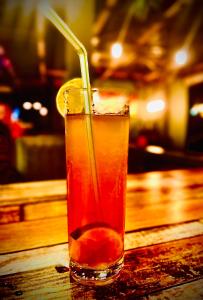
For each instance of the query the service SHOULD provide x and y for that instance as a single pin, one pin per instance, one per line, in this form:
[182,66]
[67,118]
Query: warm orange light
[109,104]
[43,111]
[197,109]
[95,57]
[155,149]
[37,105]
[95,41]
[116,50]
[133,108]
[27,105]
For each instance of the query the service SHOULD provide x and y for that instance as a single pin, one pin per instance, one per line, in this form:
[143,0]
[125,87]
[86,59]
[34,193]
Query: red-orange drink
[96,226]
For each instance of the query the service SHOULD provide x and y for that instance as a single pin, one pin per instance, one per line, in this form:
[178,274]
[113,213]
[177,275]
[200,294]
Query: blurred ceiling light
[43,111]
[27,105]
[181,57]
[116,50]
[95,57]
[157,50]
[155,105]
[37,105]
[41,48]
[94,41]
[197,109]
[193,112]
[155,149]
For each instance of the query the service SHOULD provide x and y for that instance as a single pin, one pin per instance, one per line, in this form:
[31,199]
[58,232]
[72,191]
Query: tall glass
[96,214]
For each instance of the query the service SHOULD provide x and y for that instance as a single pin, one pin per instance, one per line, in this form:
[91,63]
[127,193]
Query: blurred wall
[80,17]
[178,112]
[170,122]
[141,118]
[41,157]
[152,119]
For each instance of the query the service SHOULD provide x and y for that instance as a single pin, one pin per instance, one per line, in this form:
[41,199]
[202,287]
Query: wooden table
[163,241]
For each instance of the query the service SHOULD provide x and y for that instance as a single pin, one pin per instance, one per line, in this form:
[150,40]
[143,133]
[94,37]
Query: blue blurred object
[15,114]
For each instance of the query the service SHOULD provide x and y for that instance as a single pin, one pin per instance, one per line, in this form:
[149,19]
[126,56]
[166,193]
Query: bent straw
[77,45]
[82,53]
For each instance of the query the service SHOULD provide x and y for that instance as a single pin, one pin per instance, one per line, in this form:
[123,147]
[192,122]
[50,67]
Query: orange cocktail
[96,147]
[96,224]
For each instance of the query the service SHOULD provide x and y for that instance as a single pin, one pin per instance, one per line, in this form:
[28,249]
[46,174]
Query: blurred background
[147,52]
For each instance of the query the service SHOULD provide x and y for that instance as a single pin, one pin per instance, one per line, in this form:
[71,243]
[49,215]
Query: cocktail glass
[96,201]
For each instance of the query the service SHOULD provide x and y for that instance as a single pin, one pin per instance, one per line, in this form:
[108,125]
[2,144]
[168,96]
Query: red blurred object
[141,141]
[15,127]
[5,114]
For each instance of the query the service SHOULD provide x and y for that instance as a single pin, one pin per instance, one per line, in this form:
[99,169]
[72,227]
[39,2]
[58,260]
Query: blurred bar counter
[42,157]
[163,240]
[154,158]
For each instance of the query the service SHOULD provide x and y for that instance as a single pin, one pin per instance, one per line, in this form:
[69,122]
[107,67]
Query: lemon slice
[98,247]
[74,102]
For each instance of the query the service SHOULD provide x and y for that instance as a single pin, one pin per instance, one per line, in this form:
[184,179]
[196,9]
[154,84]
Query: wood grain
[153,202]
[176,206]
[31,192]
[32,234]
[162,261]
[51,231]
[42,210]
[188,291]
[147,270]
[9,214]
[58,254]
[41,191]
[141,215]
[162,197]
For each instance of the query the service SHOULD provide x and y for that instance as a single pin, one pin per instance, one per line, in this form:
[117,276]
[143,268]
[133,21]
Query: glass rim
[122,110]
[80,89]
[125,112]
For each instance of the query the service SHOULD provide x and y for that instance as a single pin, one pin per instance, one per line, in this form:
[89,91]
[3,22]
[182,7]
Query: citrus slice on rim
[98,247]
[70,102]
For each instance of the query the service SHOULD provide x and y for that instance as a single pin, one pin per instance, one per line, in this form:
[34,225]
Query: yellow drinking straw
[77,45]
[82,53]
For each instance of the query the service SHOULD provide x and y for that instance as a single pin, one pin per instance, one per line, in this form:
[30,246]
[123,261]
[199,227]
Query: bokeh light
[43,111]
[27,105]
[155,105]
[116,50]
[37,105]
[181,57]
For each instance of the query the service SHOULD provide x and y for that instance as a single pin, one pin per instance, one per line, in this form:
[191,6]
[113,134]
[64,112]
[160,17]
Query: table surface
[163,240]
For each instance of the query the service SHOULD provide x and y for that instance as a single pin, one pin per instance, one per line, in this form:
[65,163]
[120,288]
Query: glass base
[88,276]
